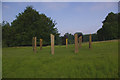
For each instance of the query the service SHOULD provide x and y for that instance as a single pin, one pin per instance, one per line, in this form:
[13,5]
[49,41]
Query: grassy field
[99,62]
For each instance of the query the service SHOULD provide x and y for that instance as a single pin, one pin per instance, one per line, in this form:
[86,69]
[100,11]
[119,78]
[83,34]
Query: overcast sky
[85,17]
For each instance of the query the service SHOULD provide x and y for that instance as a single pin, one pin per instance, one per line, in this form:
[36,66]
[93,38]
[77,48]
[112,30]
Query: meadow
[101,61]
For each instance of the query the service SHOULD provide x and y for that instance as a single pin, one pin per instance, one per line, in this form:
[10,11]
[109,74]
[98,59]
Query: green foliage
[119,24]
[94,37]
[1,34]
[27,25]
[70,38]
[86,37]
[7,31]
[110,27]
[99,62]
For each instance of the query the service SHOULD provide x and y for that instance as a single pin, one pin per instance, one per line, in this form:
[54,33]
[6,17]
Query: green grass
[99,62]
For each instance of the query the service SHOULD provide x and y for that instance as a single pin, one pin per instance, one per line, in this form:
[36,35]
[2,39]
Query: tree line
[110,27]
[30,23]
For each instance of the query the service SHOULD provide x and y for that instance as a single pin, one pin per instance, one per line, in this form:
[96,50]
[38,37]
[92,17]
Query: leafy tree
[6,34]
[0,33]
[29,24]
[94,37]
[100,34]
[109,29]
[119,24]
[86,37]
[70,38]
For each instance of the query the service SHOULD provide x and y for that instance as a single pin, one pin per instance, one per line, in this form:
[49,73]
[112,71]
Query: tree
[100,34]
[109,29]
[70,38]
[6,34]
[29,24]
[0,33]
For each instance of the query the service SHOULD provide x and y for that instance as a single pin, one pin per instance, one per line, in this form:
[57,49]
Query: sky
[71,17]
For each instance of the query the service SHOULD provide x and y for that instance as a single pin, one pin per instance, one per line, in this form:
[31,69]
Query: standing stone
[80,41]
[66,43]
[76,43]
[90,41]
[52,44]
[40,44]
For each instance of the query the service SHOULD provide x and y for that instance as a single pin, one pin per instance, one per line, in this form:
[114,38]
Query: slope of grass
[101,61]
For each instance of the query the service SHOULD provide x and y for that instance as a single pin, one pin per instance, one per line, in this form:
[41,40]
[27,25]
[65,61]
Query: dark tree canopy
[86,37]
[29,24]
[70,38]
[109,29]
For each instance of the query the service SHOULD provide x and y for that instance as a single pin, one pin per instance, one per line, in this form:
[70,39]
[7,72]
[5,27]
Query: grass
[99,62]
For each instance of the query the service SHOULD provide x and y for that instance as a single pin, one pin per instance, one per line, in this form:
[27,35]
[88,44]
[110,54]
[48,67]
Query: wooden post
[52,44]
[35,49]
[40,44]
[90,41]
[80,41]
[33,40]
[66,43]
[76,43]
